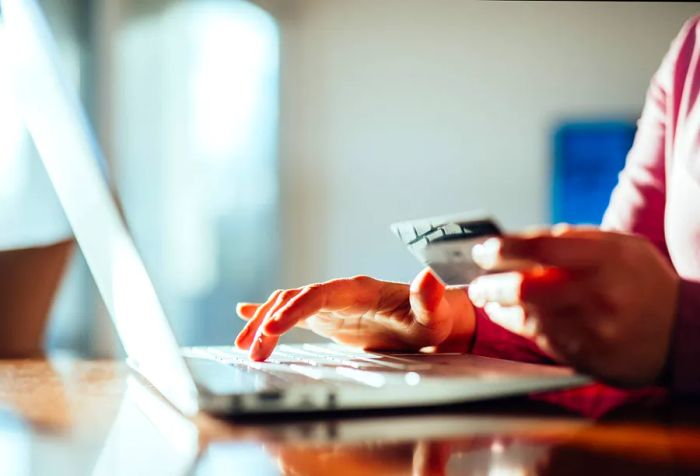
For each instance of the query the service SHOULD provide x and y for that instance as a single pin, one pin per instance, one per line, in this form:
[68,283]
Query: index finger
[334,295]
[548,250]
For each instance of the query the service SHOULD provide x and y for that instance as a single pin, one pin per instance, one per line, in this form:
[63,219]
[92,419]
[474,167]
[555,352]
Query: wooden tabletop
[64,416]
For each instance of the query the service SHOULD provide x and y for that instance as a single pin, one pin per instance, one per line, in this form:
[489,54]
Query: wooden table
[63,416]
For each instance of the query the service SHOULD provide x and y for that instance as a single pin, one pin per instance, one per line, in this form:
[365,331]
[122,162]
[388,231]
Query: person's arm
[636,206]
[639,200]
[28,282]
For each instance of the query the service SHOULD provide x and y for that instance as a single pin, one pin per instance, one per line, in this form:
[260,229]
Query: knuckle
[306,293]
[275,294]
[286,294]
[361,280]
[562,229]
[313,288]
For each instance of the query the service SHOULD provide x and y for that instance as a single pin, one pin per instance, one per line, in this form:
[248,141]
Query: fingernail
[486,254]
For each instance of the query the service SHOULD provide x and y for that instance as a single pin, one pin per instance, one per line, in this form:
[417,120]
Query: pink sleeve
[638,203]
[492,340]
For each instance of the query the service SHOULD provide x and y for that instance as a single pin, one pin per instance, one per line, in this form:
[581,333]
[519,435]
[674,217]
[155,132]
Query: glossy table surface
[63,416]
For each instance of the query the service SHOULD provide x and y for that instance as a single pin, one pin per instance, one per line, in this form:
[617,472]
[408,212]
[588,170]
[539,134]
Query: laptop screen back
[60,130]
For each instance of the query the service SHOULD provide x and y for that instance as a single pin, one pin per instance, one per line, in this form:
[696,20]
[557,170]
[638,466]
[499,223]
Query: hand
[363,312]
[603,302]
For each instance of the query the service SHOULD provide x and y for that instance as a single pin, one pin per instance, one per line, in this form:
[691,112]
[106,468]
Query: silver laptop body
[220,380]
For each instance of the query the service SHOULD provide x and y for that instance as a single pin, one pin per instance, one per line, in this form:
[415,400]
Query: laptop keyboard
[334,363]
[329,362]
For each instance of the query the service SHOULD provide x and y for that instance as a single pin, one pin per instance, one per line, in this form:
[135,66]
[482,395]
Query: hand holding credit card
[445,243]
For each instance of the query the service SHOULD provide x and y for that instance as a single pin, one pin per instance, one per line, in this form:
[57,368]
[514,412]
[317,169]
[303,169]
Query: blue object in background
[588,157]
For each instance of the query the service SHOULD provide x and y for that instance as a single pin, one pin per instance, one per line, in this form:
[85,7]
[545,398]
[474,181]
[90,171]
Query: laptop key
[366,360]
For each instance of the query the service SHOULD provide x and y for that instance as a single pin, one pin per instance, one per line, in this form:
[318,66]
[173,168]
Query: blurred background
[264,144]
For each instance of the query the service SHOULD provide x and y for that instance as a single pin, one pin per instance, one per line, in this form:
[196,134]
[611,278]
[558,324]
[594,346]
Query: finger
[262,344]
[547,286]
[512,318]
[272,313]
[566,229]
[282,301]
[246,310]
[501,288]
[568,251]
[565,251]
[290,315]
[246,336]
[427,291]
[550,288]
[426,297]
[562,332]
[487,255]
[553,331]
[530,325]
[334,295]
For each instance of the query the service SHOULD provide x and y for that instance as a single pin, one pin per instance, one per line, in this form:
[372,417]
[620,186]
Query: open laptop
[220,380]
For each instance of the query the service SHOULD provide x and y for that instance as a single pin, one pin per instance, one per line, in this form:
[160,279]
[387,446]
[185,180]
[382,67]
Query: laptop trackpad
[225,379]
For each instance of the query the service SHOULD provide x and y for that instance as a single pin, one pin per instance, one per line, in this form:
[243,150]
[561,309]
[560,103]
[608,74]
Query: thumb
[427,292]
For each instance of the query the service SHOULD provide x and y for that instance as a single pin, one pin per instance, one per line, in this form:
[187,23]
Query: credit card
[445,243]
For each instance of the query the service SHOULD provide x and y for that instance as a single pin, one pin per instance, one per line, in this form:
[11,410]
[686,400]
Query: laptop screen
[58,125]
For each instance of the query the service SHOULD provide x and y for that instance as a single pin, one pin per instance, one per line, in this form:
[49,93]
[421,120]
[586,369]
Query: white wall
[397,109]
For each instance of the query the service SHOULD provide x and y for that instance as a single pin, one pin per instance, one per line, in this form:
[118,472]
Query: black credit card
[445,243]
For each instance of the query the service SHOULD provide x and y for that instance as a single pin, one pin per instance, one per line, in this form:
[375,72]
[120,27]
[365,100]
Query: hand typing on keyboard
[363,312]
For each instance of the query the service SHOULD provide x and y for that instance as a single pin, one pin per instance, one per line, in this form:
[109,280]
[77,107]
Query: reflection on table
[94,418]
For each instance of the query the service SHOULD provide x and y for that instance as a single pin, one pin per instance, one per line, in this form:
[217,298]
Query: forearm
[28,282]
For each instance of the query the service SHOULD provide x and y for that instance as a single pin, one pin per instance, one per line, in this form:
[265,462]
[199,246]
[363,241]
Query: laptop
[219,380]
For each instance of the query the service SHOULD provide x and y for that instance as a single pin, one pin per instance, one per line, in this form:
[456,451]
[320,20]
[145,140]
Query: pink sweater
[658,196]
